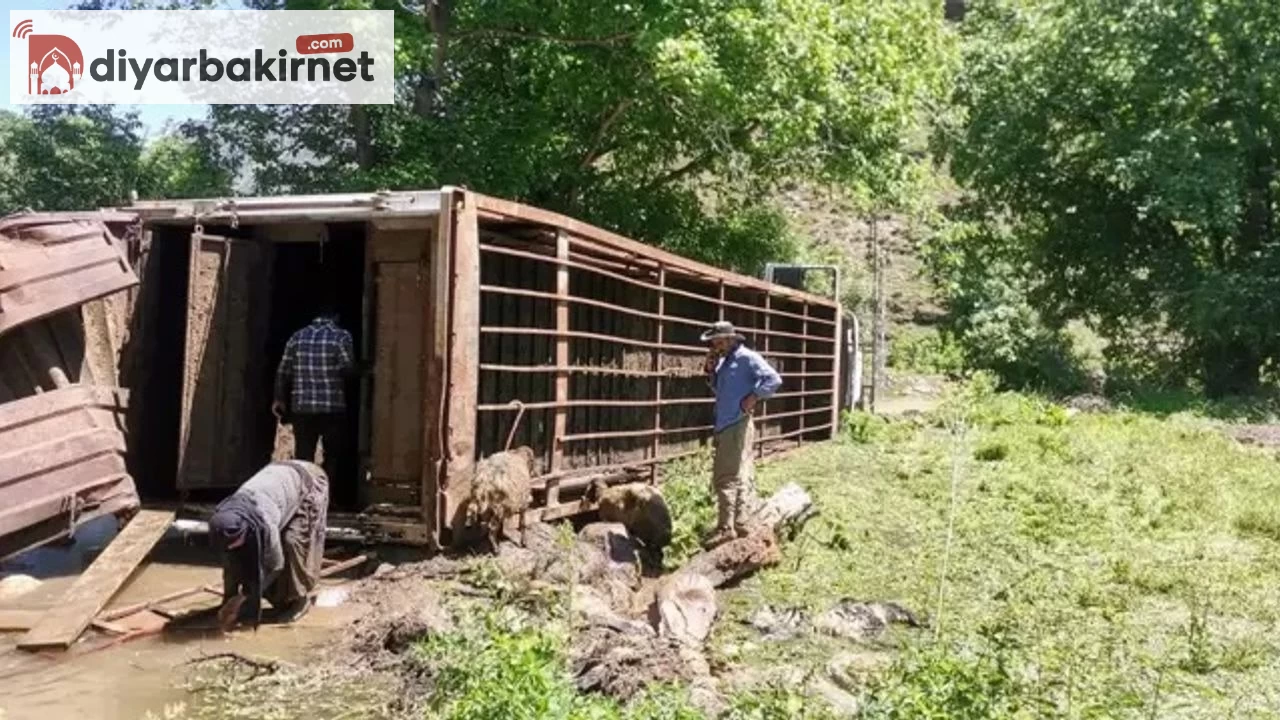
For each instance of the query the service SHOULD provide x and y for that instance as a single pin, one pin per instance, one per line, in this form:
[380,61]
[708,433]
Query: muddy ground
[621,640]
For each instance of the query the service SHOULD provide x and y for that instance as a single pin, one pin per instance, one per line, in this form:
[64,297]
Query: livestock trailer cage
[473,317]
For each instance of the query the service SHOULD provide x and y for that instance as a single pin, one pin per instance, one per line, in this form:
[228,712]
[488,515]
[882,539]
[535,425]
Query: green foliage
[776,703]
[1121,157]
[60,157]
[860,426]
[926,350]
[686,487]
[943,683]
[68,158]
[993,323]
[991,452]
[174,166]
[1083,547]
[496,671]
[670,121]
[498,668]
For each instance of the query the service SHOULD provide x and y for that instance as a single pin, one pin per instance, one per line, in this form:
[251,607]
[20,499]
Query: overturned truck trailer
[66,288]
[471,316]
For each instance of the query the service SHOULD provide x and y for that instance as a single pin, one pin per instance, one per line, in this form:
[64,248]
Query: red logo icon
[55,62]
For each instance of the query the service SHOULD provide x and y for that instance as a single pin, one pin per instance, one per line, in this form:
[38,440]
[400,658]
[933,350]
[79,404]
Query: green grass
[1114,565]
[1119,565]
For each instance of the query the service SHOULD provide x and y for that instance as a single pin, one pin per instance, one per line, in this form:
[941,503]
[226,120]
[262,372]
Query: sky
[155,118]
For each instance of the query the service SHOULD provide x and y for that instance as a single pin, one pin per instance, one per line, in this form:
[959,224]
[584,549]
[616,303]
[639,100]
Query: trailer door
[401,275]
[224,397]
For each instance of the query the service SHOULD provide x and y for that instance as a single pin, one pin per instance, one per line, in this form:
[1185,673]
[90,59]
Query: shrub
[686,487]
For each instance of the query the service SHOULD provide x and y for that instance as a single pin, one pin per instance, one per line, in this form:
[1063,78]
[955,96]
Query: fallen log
[790,505]
[735,559]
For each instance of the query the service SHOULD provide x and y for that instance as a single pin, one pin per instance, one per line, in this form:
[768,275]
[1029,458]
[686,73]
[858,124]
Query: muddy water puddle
[127,680]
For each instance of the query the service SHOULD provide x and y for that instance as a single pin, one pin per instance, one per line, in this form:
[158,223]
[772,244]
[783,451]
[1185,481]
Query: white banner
[148,57]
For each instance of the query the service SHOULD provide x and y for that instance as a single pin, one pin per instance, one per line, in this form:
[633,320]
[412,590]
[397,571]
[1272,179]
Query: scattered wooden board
[62,625]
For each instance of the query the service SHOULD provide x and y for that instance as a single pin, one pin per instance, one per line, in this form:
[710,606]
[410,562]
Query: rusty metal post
[804,368]
[837,337]
[657,369]
[764,350]
[560,424]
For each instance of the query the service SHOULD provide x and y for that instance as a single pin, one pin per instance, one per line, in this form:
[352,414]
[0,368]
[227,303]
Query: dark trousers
[310,428]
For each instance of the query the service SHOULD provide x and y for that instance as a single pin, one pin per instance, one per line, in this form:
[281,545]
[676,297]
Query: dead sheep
[501,488]
[638,507]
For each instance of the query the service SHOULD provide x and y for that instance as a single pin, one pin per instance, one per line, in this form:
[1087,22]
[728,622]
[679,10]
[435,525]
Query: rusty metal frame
[551,240]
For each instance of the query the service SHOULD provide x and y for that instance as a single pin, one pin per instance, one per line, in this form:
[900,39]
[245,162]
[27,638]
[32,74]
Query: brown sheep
[500,490]
[640,508]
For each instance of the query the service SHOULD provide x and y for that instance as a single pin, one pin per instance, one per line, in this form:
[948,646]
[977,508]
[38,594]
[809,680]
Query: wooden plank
[127,610]
[15,620]
[435,372]
[91,591]
[397,412]
[407,403]
[463,349]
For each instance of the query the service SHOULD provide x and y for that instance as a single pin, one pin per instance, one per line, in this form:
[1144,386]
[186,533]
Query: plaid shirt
[313,366]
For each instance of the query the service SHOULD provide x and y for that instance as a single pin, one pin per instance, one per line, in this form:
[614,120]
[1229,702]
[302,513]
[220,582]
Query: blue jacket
[740,373]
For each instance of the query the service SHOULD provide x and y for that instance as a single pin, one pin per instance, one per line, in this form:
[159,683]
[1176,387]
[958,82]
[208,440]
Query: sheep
[638,507]
[501,490]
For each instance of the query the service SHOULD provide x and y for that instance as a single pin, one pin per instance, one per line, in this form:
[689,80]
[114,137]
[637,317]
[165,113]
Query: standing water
[129,679]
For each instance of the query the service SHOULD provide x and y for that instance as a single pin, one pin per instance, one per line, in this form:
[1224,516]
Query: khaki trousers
[733,477]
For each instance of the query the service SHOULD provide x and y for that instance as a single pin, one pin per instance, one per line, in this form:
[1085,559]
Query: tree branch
[593,150]
[690,167]
[699,162]
[258,666]
[606,41]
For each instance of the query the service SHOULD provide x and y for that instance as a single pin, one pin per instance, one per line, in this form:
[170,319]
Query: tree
[185,164]
[1131,146]
[61,157]
[82,157]
[667,120]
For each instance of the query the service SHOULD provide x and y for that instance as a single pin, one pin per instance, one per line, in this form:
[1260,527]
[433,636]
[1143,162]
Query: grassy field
[1119,565]
[1113,565]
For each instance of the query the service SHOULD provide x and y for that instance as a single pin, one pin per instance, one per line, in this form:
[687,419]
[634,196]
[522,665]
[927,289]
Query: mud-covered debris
[779,623]
[603,557]
[399,615]
[864,620]
[437,567]
[623,663]
[684,608]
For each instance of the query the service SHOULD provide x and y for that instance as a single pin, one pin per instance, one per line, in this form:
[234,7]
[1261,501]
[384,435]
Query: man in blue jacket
[740,378]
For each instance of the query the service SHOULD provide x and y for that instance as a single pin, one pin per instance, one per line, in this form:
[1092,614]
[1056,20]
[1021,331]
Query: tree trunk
[362,133]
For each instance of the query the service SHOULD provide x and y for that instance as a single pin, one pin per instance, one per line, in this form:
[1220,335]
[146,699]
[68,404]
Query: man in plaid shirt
[309,390]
